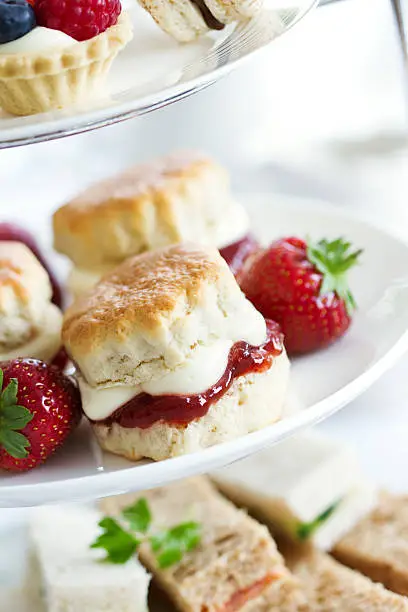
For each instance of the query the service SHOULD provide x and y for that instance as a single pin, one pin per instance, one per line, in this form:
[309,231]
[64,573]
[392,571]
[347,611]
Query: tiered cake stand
[152,72]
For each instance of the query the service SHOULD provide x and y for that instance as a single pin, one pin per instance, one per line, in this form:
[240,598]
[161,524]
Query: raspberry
[80,19]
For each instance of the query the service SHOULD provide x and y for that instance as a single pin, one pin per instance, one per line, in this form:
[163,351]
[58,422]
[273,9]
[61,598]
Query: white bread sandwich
[331,587]
[235,563]
[308,488]
[70,575]
[30,325]
[177,198]
[172,358]
[186,20]
[378,546]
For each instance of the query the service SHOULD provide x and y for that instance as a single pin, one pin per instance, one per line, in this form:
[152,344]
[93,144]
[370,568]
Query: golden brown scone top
[142,292]
[134,211]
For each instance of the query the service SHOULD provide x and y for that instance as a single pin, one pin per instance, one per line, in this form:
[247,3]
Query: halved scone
[171,358]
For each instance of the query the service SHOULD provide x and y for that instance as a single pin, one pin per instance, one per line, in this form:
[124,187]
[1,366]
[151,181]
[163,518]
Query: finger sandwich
[172,358]
[331,587]
[308,488]
[30,325]
[176,198]
[377,546]
[70,575]
[234,565]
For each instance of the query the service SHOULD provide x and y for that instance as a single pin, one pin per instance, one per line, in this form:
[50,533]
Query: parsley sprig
[168,545]
[13,418]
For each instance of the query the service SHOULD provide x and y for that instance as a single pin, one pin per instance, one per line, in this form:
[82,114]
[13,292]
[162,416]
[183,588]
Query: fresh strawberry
[303,286]
[15,233]
[39,407]
[81,19]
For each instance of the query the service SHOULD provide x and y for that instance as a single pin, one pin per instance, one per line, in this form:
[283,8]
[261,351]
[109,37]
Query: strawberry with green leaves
[39,407]
[304,287]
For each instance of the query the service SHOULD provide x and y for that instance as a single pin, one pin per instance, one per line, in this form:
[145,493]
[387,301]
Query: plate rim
[119,481]
[144,104]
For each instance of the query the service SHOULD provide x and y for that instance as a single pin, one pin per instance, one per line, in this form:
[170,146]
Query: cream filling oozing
[194,376]
[38,40]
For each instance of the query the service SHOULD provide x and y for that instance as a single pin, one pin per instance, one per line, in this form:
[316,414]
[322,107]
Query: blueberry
[17,18]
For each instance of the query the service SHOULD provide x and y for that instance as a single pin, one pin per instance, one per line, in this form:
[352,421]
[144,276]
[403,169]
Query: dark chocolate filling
[210,20]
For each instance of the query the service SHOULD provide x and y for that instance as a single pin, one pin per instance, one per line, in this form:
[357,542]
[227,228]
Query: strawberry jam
[237,253]
[144,410]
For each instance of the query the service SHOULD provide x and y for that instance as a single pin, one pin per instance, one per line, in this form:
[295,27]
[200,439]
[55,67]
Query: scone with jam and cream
[30,325]
[176,198]
[171,358]
[55,53]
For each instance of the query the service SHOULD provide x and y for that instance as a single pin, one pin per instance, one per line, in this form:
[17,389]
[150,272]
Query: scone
[30,325]
[171,358]
[186,20]
[42,67]
[173,199]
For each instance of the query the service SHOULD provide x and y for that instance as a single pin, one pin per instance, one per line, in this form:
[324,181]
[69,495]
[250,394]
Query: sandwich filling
[210,20]
[243,596]
[144,409]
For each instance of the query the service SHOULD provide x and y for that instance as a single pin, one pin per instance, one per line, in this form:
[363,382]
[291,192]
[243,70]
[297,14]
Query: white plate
[324,382]
[154,71]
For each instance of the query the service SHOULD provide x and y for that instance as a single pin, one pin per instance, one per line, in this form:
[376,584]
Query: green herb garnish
[138,516]
[168,545]
[305,530]
[120,545]
[172,544]
[13,418]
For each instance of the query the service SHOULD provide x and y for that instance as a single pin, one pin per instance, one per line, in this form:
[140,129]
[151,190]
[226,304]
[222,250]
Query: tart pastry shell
[32,83]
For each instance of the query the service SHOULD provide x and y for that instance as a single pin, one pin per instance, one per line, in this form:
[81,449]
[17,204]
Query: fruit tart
[55,53]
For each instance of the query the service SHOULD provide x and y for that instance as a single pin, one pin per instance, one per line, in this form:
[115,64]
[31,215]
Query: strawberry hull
[303,287]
